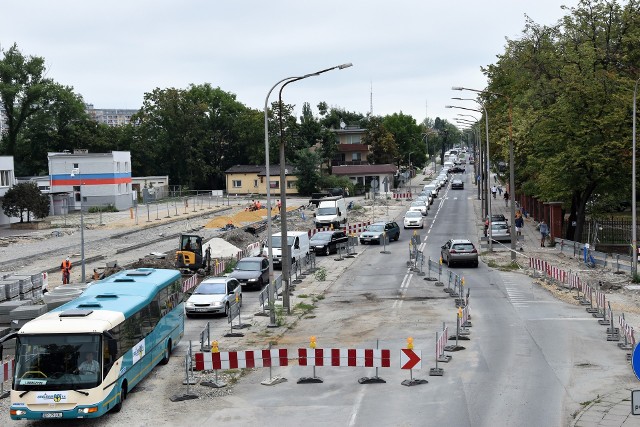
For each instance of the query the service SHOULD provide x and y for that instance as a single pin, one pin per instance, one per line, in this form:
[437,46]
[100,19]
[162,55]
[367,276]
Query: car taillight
[474,251]
[453,251]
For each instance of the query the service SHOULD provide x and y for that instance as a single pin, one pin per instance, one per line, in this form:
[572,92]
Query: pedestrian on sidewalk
[500,190]
[519,222]
[494,190]
[506,199]
[544,232]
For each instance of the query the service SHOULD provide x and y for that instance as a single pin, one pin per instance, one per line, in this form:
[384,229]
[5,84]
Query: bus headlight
[89,410]
[17,412]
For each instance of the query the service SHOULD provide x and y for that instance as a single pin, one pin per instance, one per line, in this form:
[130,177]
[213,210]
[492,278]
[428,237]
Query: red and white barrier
[627,330]
[401,195]
[218,267]
[6,370]
[241,359]
[600,299]
[189,283]
[367,358]
[358,227]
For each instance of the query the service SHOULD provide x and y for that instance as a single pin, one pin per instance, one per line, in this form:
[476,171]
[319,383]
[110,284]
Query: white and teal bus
[81,359]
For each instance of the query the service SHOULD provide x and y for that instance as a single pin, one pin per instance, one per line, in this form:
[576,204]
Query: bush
[108,208]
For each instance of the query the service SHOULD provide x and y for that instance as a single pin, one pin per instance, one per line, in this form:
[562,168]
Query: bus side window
[110,352]
[146,324]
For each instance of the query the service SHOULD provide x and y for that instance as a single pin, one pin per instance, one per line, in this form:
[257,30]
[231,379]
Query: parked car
[458,251]
[426,199]
[500,231]
[376,231]
[457,184]
[252,272]
[420,206]
[456,169]
[497,218]
[413,219]
[214,295]
[326,242]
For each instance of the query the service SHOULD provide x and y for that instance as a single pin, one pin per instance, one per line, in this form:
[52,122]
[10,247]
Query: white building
[85,180]
[7,180]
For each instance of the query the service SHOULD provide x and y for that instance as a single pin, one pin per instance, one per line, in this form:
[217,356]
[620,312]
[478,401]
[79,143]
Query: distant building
[110,116]
[150,188]
[249,179]
[82,180]
[351,150]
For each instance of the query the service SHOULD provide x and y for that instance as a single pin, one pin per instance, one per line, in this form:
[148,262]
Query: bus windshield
[58,362]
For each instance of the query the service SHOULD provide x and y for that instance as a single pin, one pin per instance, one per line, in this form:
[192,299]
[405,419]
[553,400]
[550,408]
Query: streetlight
[286,254]
[512,170]
[74,172]
[410,152]
[634,237]
[488,199]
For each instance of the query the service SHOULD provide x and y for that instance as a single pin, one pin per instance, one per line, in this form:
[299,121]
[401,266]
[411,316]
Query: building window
[76,165]
[236,183]
[255,183]
[274,184]
[356,156]
[291,184]
[5,177]
[126,166]
[353,139]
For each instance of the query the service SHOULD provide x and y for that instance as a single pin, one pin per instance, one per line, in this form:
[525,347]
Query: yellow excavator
[190,256]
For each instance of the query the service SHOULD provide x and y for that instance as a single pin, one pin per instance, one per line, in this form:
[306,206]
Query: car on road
[500,231]
[375,232]
[326,242]
[457,184]
[456,169]
[413,219]
[459,251]
[252,272]
[420,206]
[497,218]
[214,296]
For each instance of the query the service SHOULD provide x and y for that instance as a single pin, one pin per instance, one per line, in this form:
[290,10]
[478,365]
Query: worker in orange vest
[65,267]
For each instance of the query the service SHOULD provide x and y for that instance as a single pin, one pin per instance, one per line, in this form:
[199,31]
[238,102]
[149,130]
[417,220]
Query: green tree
[25,198]
[307,165]
[408,137]
[24,90]
[383,146]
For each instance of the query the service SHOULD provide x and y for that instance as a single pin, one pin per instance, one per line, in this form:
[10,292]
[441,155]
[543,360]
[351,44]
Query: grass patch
[303,296]
[320,274]
[301,306]
[510,266]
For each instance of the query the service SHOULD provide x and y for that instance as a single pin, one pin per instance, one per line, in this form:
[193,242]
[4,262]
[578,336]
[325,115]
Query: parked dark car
[252,272]
[326,242]
[374,233]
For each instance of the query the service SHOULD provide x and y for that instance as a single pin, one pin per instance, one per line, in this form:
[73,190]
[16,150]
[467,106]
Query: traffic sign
[410,359]
[635,361]
[635,402]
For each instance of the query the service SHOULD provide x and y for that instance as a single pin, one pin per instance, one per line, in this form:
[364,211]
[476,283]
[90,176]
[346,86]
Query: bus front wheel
[167,354]
[123,396]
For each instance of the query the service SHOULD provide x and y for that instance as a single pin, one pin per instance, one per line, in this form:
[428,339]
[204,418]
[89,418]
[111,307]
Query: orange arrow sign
[410,359]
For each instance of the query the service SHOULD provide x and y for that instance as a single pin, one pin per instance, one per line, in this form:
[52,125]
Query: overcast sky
[407,53]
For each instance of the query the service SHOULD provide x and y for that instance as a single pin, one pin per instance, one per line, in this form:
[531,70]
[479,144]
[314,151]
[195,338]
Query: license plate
[201,309]
[52,415]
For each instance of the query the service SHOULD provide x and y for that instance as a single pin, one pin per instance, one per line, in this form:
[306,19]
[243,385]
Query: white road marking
[356,406]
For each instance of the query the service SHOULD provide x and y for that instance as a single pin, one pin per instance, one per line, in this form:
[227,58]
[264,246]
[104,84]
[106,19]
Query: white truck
[332,211]
[297,240]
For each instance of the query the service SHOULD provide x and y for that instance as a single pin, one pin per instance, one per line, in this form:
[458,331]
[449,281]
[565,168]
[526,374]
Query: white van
[447,165]
[299,242]
[332,211]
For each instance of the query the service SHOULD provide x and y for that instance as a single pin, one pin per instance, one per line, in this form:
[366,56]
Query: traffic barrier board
[410,359]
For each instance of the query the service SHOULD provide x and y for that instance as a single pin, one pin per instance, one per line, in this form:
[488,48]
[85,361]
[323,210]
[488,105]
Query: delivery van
[332,211]
[298,241]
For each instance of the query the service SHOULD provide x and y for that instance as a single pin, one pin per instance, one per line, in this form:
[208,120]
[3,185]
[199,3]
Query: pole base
[274,381]
[213,384]
[371,380]
[604,322]
[615,331]
[436,372]
[262,314]
[234,335]
[415,381]
[310,380]
[592,310]
[445,358]
[598,315]
[205,348]
[241,326]
[5,394]
[431,279]
[190,381]
[624,346]
[453,348]
[183,397]
[385,252]
[439,284]
[613,337]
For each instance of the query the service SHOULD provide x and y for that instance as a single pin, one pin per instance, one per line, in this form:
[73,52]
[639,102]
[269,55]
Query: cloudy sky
[408,54]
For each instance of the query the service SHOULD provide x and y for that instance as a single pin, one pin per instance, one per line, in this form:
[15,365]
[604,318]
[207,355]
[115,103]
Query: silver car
[419,205]
[500,232]
[214,295]
[458,251]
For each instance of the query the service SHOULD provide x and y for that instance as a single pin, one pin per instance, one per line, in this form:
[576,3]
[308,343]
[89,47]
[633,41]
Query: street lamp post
[634,237]
[512,172]
[488,199]
[75,171]
[286,253]
[410,152]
